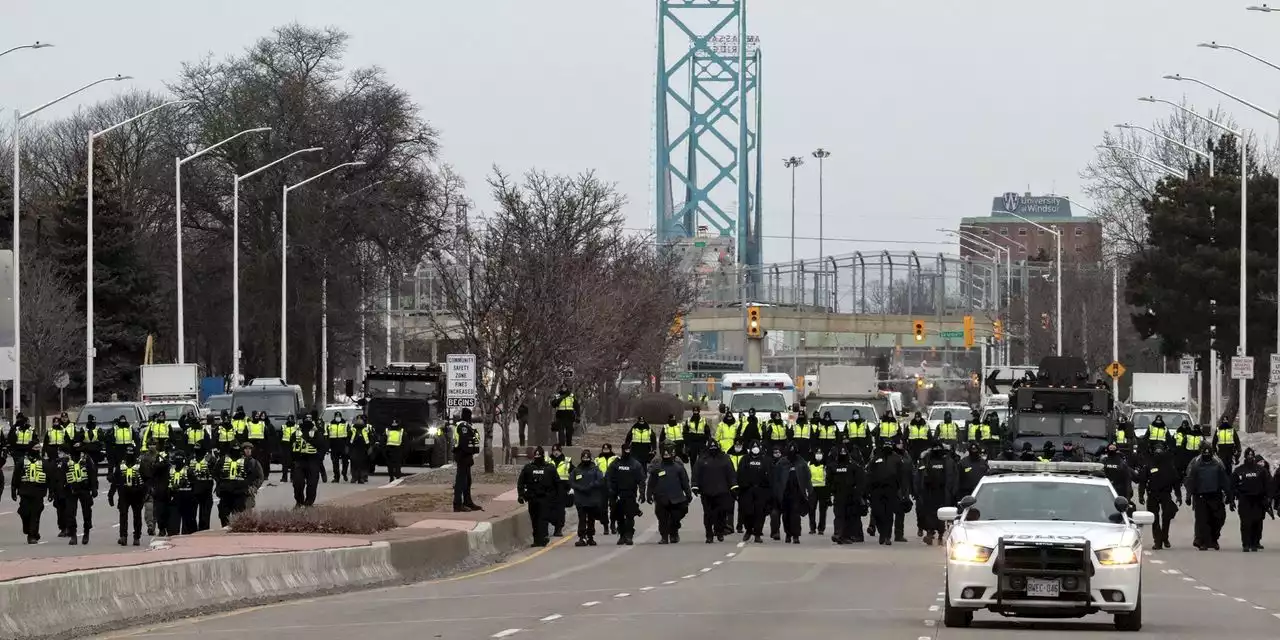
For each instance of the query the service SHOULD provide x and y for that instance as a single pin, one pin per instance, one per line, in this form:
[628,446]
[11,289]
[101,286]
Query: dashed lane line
[591,604]
[621,595]
[552,617]
[688,577]
[646,588]
[704,569]
[506,632]
[669,582]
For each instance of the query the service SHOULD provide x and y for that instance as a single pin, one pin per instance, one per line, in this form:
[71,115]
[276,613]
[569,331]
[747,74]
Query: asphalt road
[106,519]
[770,590]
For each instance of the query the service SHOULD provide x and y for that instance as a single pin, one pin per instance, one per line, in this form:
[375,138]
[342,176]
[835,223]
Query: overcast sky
[929,107]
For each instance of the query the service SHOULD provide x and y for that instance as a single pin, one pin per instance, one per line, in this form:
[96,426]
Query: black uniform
[1208,484]
[155,465]
[847,482]
[79,488]
[749,430]
[754,476]
[33,483]
[972,468]
[715,480]
[201,467]
[888,482]
[1159,483]
[936,486]
[1226,444]
[539,487]
[466,444]
[695,435]
[792,491]
[339,433]
[1251,485]
[555,511]
[235,479]
[670,493]
[362,438]
[309,446]
[587,482]
[625,479]
[567,413]
[1118,472]
[183,509]
[129,482]
[640,437]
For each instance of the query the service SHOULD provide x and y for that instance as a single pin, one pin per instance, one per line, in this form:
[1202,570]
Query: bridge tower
[706,128]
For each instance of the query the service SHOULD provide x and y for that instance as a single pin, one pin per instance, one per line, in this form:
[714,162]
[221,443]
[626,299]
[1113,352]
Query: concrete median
[81,602]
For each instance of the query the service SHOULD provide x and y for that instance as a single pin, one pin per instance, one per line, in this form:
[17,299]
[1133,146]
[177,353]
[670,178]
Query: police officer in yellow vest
[556,514]
[227,439]
[358,448]
[801,435]
[821,494]
[393,445]
[55,439]
[948,431]
[726,432]
[917,437]
[825,434]
[309,446]
[672,436]
[339,435]
[287,430]
[129,481]
[80,487]
[22,438]
[986,434]
[466,444]
[32,484]
[257,431]
[887,433]
[1157,431]
[695,434]
[156,433]
[775,431]
[567,414]
[239,422]
[1224,442]
[640,437]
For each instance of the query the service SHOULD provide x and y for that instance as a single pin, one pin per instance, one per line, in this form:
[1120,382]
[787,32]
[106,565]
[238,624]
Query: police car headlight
[1113,556]
[966,552]
[433,431]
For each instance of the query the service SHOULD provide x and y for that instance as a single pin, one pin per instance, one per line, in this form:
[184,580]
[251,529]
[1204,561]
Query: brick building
[1081,236]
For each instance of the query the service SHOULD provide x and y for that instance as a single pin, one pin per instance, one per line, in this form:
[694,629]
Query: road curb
[83,602]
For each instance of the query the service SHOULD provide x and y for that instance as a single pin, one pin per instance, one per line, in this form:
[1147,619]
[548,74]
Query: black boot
[122,541]
[74,541]
[137,541]
[85,538]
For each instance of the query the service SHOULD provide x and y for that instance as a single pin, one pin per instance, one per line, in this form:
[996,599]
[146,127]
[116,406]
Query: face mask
[777,454]
[1206,455]
[667,458]
[817,457]
[586,460]
[755,450]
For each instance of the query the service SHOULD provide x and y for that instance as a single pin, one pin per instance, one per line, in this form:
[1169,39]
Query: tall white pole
[235,282]
[89,351]
[1008,307]
[1242,349]
[324,335]
[284,284]
[177,214]
[1058,239]
[17,264]
[1115,325]
[1215,376]
[821,230]
[387,312]
[364,353]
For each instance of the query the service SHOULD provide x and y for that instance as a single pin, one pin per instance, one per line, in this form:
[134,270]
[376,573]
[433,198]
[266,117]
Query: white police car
[1044,540]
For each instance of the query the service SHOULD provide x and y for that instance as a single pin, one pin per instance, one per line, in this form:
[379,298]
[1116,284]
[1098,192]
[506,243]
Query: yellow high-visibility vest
[818,474]
[256,431]
[642,435]
[673,432]
[562,469]
[395,437]
[337,430]
[1226,436]
[698,427]
[949,431]
[889,429]
[801,431]
[76,473]
[918,432]
[34,472]
[566,403]
[1193,443]
[132,474]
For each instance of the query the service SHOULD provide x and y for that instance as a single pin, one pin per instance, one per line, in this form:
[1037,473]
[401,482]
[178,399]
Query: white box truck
[1159,394]
[170,382]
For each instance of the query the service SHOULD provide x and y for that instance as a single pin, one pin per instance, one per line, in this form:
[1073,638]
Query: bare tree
[49,333]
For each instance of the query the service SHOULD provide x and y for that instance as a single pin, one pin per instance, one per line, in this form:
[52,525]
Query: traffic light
[919,330]
[968,332]
[997,330]
[753,323]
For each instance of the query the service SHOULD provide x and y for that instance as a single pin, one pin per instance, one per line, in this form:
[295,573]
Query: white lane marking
[718,563]
[505,632]
[1259,608]
[554,616]
[1188,579]
[6,513]
[704,569]
[646,588]
[924,638]
[942,593]
[741,545]
[1157,562]
[669,582]
[1277,615]
[1218,593]
[937,599]
[621,595]
[591,604]
[115,526]
[1172,572]
[1238,599]
[930,623]
[933,607]
[1202,587]
[730,554]
[687,577]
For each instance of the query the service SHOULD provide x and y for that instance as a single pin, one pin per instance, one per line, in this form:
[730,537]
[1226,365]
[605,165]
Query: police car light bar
[1018,466]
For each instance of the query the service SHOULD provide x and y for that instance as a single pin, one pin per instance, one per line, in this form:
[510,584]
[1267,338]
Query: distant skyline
[929,108]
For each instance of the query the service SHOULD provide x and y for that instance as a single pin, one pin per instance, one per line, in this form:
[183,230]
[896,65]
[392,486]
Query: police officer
[726,432]
[339,433]
[847,483]
[749,429]
[775,431]
[287,430]
[466,444]
[1157,432]
[1208,484]
[55,439]
[155,465]
[201,467]
[936,485]
[714,481]
[792,491]
[362,438]
[1117,471]
[308,447]
[985,435]
[821,495]
[233,485]
[640,437]
[801,434]
[587,482]
[825,435]
[672,436]
[774,506]
[625,478]
[695,434]
[1251,483]
[735,458]
[972,468]
[80,487]
[182,504]
[887,431]
[22,438]
[754,472]
[948,431]
[1224,442]
[129,480]
[608,523]
[555,512]
[567,412]
[669,491]
[33,483]
[1070,453]
[1159,483]
[888,481]
[539,487]
[258,432]
[917,437]
[393,449]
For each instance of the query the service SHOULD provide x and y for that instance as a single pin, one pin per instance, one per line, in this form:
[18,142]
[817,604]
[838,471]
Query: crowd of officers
[168,475]
[771,468]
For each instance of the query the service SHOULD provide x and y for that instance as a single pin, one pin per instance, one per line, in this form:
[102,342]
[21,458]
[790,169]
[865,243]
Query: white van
[764,392]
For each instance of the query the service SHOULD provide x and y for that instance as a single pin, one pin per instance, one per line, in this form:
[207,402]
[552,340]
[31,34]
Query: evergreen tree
[126,297]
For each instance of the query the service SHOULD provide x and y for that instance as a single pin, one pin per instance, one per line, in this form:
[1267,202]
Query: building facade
[1081,235]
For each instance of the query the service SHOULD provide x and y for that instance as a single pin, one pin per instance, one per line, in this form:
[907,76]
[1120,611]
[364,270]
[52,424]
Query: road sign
[1187,365]
[952,334]
[1275,368]
[460,376]
[1241,367]
[1115,370]
[686,375]
[61,380]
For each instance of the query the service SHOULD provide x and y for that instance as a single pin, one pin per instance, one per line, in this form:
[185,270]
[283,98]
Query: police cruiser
[1044,540]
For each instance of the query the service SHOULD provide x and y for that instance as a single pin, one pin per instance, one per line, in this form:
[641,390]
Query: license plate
[1039,588]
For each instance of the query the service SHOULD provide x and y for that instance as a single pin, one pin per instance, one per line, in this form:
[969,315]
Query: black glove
[520,500]
[93,494]
[695,491]
[111,500]
[1142,498]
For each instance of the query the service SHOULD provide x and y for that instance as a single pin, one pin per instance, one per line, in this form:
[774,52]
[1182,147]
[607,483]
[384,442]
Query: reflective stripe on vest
[801,431]
[1226,436]
[132,475]
[856,429]
[301,444]
[226,434]
[1157,433]
[257,431]
[1121,436]
[826,432]
[698,427]
[673,432]
[1193,443]
[34,472]
[338,430]
[777,431]
[57,436]
[395,437]
[76,473]
[984,432]
[566,403]
[24,436]
[234,470]
[562,469]
[948,431]
[918,432]
[176,478]
[160,430]
[888,429]
[818,474]
[642,435]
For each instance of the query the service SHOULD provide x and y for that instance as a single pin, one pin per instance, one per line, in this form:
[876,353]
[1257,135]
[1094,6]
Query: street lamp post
[1151,161]
[18,117]
[1241,348]
[1008,279]
[821,154]
[91,351]
[1057,239]
[284,261]
[235,259]
[35,45]
[178,161]
[791,163]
